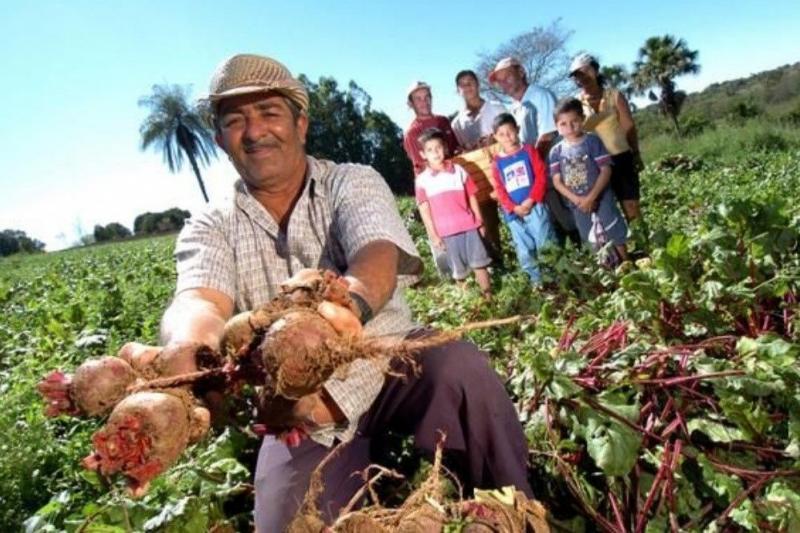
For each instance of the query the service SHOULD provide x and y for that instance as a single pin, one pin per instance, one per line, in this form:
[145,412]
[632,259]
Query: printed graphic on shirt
[516,176]
[574,171]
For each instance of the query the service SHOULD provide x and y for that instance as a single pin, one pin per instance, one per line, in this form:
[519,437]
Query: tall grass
[726,141]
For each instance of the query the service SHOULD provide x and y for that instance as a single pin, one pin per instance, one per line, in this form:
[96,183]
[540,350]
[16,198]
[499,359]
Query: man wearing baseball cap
[292,212]
[420,101]
[532,107]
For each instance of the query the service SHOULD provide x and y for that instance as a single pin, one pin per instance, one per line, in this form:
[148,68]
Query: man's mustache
[250,146]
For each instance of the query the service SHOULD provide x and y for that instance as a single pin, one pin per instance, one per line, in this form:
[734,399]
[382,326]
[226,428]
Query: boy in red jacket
[520,181]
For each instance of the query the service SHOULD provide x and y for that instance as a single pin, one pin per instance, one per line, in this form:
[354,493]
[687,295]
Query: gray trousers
[456,392]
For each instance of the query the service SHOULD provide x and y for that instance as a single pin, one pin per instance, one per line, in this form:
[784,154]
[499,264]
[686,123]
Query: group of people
[561,169]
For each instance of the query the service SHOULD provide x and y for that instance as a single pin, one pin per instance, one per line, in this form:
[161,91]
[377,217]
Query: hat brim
[249,89]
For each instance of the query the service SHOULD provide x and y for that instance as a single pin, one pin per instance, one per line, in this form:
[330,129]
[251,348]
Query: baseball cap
[416,85]
[250,73]
[580,61]
[503,64]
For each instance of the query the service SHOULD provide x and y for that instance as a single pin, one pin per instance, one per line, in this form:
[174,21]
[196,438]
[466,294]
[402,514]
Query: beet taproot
[145,433]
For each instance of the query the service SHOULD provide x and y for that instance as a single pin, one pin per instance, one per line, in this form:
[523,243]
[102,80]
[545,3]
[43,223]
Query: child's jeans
[531,234]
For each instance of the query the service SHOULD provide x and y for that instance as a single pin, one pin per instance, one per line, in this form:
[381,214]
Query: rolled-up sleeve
[203,256]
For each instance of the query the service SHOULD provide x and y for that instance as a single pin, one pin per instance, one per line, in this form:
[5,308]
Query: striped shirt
[239,250]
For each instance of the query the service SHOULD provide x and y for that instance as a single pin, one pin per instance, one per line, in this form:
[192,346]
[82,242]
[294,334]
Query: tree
[170,220]
[344,127]
[541,50]
[112,232]
[13,241]
[661,60]
[177,129]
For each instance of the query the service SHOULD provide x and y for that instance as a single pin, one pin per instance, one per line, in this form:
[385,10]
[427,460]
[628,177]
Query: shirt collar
[448,168]
[312,189]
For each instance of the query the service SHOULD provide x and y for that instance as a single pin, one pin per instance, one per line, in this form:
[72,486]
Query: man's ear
[302,127]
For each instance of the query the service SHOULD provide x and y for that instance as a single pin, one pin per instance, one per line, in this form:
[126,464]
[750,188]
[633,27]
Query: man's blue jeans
[531,234]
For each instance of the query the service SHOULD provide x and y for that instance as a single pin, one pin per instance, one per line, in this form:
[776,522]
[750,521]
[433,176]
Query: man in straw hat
[291,211]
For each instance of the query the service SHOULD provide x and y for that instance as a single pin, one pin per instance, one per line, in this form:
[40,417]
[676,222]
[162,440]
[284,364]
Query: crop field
[665,394]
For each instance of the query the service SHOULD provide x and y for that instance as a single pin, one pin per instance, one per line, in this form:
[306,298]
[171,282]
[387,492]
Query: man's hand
[437,242]
[292,421]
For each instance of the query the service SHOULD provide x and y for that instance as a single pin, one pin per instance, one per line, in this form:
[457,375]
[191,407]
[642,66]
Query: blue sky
[73,71]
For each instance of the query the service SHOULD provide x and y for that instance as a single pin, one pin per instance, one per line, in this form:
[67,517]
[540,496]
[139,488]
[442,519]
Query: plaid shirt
[240,251]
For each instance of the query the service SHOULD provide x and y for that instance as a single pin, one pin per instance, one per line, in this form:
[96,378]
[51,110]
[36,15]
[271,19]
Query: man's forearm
[373,273]
[197,315]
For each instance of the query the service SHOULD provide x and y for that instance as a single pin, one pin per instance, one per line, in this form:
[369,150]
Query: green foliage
[768,98]
[345,128]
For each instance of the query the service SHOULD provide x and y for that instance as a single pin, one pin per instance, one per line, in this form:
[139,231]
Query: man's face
[421,102]
[261,137]
[510,80]
[468,87]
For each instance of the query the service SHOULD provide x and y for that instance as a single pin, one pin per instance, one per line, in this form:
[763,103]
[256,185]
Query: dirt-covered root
[359,523]
[425,519]
[145,434]
[306,524]
[299,352]
[520,515]
[93,389]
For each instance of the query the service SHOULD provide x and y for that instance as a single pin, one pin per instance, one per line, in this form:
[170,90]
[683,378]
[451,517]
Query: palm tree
[617,76]
[177,129]
[661,60]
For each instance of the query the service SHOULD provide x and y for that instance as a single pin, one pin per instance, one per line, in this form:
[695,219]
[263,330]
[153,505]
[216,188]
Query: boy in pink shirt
[449,209]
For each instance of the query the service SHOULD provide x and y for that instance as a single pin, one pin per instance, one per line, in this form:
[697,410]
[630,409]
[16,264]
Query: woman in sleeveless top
[609,117]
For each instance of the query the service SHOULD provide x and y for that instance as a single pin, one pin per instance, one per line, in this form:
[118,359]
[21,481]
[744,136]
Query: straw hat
[249,73]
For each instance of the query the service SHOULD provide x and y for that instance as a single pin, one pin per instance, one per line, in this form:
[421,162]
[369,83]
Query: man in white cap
[420,101]
[291,212]
[532,107]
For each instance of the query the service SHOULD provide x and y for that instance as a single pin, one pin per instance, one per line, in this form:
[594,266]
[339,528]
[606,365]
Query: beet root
[299,353]
[94,389]
[145,434]
[99,384]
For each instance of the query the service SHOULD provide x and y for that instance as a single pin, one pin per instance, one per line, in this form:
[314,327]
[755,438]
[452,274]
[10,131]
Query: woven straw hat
[249,73]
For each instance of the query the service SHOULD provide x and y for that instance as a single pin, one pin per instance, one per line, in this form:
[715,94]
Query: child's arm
[540,175]
[476,211]
[600,185]
[500,189]
[425,213]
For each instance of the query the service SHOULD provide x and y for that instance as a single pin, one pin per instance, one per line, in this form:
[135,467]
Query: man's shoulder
[332,175]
